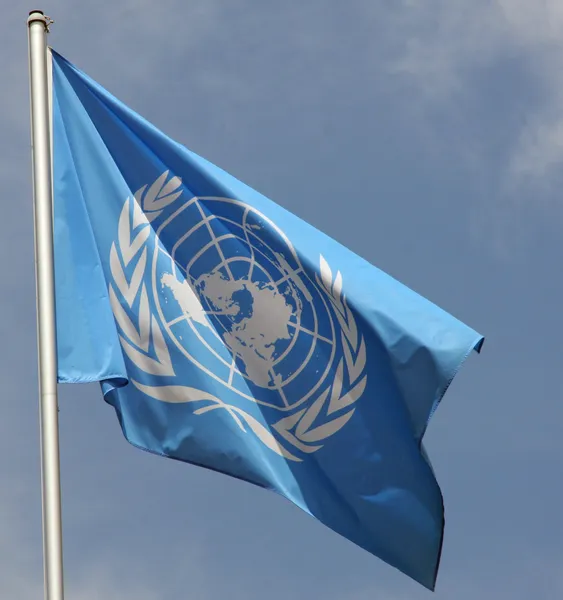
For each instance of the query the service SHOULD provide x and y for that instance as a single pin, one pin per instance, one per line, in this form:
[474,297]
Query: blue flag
[228,333]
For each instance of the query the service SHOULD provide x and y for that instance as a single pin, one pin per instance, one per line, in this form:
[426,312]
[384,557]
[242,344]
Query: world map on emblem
[237,302]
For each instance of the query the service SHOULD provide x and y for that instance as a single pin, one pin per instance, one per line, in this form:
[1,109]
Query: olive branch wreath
[143,342]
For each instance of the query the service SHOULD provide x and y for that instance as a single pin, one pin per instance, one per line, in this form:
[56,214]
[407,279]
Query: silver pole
[46,326]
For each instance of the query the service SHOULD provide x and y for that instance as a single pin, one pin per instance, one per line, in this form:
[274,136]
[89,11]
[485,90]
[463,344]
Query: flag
[228,333]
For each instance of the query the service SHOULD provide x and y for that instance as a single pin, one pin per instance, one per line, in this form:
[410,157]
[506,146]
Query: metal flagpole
[46,328]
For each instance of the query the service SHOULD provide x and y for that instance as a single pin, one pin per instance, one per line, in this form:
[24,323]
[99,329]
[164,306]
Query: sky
[427,136]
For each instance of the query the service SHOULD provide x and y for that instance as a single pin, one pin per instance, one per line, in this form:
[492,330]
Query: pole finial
[39,15]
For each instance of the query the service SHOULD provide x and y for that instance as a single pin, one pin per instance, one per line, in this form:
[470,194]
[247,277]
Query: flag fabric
[228,333]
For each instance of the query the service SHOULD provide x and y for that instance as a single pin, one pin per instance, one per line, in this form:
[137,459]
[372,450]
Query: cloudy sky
[425,135]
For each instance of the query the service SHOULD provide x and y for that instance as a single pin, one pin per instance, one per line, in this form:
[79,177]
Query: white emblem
[246,315]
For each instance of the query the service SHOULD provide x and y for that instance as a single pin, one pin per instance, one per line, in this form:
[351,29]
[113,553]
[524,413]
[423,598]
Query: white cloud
[443,42]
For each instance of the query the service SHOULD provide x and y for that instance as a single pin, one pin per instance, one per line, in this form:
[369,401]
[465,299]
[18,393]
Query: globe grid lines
[241,259]
[213,243]
[214,239]
[190,232]
[300,329]
[288,276]
[305,289]
[252,255]
[296,326]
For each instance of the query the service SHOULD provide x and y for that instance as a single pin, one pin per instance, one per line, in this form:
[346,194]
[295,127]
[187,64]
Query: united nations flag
[228,333]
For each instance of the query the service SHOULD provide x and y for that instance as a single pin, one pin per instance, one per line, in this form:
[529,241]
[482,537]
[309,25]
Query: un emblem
[229,294]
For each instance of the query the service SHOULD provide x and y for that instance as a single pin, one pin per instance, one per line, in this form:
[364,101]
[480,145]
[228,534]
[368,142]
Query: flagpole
[38,25]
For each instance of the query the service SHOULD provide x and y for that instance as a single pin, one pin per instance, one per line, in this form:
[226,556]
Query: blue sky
[427,137]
